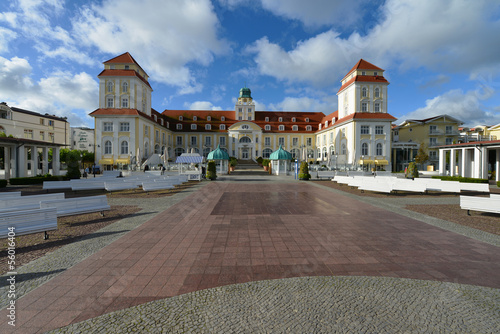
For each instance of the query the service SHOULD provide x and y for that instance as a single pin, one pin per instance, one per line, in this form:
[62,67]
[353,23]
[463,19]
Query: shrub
[233,162]
[265,162]
[412,171]
[259,160]
[461,179]
[3,183]
[304,171]
[211,170]
[498,184]
[35,179]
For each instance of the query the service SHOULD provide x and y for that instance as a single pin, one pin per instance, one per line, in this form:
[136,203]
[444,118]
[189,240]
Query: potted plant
[233,162]
[211,171]
[304,171]
[265,164]
[412,171]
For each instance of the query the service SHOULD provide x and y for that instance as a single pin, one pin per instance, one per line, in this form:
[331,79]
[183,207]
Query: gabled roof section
[364,78]
[125,58]
[430,119]
[123,73]
[363,65]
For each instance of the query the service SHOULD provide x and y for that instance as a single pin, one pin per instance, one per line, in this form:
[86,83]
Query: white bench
[28,202]
[376,185]
[150,186]
[50,185]
[10,194]
[28,221]
[342,179]
[88,185]
[325,174]
[125,185]
[483,204]
[78,205]
[408,185]
[153,172]
[480,187]
[111,173]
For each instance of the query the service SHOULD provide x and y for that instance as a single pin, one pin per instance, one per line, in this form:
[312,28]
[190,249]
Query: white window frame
[379,129]
[208,127]
[364,149]
[124,127]
[222,127]
[267,141]
[365,129]
[295,128]
[281,128]
[108,147]
[178,126]
[107,127]
[267,127]
[193,127]
[379,149]
[124,147]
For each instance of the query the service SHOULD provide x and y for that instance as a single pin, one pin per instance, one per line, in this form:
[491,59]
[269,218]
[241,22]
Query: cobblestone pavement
[226,255]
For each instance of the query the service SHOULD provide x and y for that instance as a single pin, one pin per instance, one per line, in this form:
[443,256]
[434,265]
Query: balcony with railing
[475,137]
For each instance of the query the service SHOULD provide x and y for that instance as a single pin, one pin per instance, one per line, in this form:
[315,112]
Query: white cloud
[6,36]
[201,105]
[61,93]
[455,36]
[466,107]
[165,37]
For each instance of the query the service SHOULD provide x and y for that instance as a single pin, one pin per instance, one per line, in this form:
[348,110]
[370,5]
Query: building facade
[432,132]
[28,138]
[82,139]
[128,131]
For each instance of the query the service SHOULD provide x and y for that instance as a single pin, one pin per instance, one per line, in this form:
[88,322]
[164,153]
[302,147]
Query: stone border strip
[312,305]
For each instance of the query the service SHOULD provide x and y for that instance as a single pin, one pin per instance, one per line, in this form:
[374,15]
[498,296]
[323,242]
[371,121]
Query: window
[178,140]
[208,141]
[449,141]
[195,118]
[432,129]
[266,119]
[377,92]
[157,149]
[449,129]
[379,149]
[161,121]
[280,119]
[157,135]
[364,92]
[240,118]
[365,130]
[222,141]
[42,121]
[108,148]
[343,132]
[433,155]
[308,128]
[267,128]
[364,107]
[124,147]
[193,126]
[375,73]
[245,140]
[343,150]
[309,141]
[208,127]
[42,135]
[249,110]
[307,119]
[108,126]
[222,127]
[295,128]
[376,107]
[281,128]
[180,118]
[223,118]
[110,102]
[249,118]
[155,117]
[124,126]
[178,126]
[209,118]
[193,140]
[245,127]
[28,134]
[281,141]
[240,109]
[295,141]
[433,141]
[110,87]
[293,119]
[379,129]
[124,87]
[326,124]
[51,137]
[267,141]
[163,140]
[266,153]
[146,130]
[124,102]
[127,67]
[364,149]
[363,73]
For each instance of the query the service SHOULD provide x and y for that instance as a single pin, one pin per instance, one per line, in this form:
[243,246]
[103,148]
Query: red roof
[363,65]
[364,78]
[123,73]
[365,115]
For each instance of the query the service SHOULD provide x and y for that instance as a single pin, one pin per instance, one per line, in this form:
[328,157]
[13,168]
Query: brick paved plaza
[236,231]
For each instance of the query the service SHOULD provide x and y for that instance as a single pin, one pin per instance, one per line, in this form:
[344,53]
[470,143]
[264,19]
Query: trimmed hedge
[498,184]
[461,179]
[3,183]
[35,180]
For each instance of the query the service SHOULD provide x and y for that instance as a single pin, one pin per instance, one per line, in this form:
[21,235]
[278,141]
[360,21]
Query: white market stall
[187,162]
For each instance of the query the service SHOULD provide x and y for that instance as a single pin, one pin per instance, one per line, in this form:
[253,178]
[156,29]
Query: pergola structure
[222,158]
[280,161]
[17,151]
[473,159]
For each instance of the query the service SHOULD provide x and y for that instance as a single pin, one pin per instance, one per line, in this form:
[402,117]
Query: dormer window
[326,124]
[281,128]
[208,127]
[320,126]
[195,118]
[222,127]
[267,127]
[280,119]
[293,119]
[295,128]
[307,119]
[308,128]
[193,126]
[127,67]
[267,119]
[209,118]
[363,73]
[155,117]
[375,73]
[178,126]
[180,118]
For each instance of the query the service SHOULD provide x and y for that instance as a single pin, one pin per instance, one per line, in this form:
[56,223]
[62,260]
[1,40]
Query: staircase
[248,167]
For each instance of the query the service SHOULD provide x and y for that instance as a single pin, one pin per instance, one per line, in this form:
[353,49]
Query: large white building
[128,130]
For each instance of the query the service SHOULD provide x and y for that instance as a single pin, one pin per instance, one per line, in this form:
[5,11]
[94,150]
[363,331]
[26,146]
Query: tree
[412,171]
[422,157]
[304,171]
[211,170]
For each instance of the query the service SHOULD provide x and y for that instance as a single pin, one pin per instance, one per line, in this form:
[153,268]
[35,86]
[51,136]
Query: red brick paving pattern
[230,233]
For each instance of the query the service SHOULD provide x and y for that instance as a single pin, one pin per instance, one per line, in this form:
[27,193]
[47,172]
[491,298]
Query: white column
[56,164]
[442,162]
[463,156]
[476,172]
[6,159]
[45,157]
[21,162]
[34,160]
[452,161]
[484,163]
[497,169]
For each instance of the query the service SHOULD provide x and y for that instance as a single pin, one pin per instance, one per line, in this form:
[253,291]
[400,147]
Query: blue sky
[440,56]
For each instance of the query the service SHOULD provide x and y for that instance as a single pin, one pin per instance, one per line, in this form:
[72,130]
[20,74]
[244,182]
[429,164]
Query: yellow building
[432,132]
[128,132]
